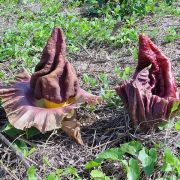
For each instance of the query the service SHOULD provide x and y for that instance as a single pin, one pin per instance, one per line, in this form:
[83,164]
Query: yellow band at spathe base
[49,104]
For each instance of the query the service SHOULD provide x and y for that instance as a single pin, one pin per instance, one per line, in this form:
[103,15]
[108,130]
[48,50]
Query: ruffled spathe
[47,99]
[150,95]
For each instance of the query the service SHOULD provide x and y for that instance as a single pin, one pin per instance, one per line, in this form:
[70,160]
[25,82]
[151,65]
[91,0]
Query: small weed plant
[134,158]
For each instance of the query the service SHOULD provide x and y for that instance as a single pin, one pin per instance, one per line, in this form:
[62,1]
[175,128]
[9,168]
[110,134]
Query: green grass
[172,34]
[30,28]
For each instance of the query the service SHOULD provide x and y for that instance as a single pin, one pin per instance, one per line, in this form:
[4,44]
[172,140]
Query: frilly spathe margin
[47,99]
[150,95]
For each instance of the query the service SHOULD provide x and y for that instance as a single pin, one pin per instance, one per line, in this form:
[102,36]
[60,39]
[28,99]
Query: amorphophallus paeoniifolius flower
[151,94]
[47,99]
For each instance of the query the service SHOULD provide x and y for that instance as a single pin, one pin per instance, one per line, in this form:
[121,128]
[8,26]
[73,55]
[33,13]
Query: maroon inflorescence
[151,94]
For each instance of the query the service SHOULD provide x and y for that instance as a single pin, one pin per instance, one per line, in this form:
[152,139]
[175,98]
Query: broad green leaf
[126,148]
[149,7]
[117,70]
[31,132]
[166,125]
[10,130]
[153,154]
[148,161]
[2,74]
[137,145]
[162,125]
[100,3]
[98,175]
[111,154]
[71,170]
[177,125]
[94,163]
[86,78]
[22,147]
[31,151]
[31,173]
[133,170]
[166,167]
[59,171]
[171,159]
[170,124]
[132,147]
[124,162]
[127,70]
[52,176]
[175,106]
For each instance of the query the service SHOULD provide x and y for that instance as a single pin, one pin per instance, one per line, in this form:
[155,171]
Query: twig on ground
[176,59]
[8,171]
[54,131]
[85,50]
[94,137]
[43,168]
[20,155]
[26,141]
[106,143]
[90,55]
[8,69]
[33,162]
[12,143]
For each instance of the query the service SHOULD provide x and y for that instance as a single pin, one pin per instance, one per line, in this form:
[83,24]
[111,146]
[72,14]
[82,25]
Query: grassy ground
[103,49]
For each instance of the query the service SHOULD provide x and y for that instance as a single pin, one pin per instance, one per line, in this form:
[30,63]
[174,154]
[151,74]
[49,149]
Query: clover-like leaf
[132,167]
[148,160]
